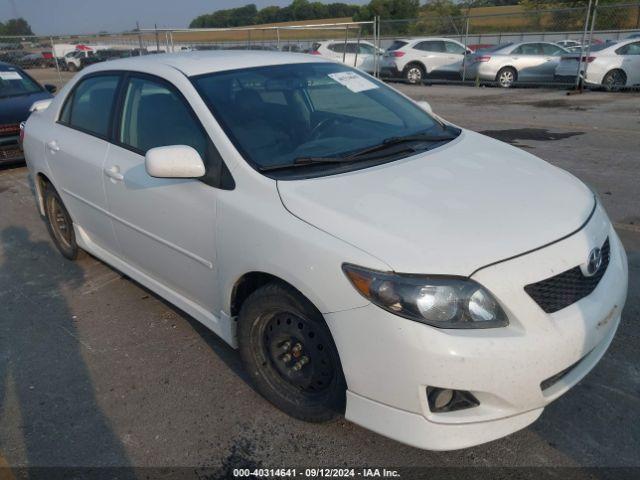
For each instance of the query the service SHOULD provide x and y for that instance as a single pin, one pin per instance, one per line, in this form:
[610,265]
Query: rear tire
[59,224]
[414,74]
[614,80]
[289,353]
[506,77]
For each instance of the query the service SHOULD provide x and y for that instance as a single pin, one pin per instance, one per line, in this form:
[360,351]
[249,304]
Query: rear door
[455,56]
[552,54]
[76,148]
[165,227]
[529,60]
[433,56]
[631,62]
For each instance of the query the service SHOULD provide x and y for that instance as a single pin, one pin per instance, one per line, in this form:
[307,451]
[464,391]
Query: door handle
[114,173]
[53,146]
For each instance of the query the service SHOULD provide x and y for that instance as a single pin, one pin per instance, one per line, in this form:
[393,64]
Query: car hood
[452,210]
[16,109]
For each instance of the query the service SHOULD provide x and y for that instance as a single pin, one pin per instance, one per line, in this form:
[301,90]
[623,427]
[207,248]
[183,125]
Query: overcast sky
[90,16]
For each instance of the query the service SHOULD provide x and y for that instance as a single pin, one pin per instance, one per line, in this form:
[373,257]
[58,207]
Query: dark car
[18,91]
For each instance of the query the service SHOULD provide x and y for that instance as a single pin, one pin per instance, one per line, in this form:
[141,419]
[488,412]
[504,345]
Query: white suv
[359,54]
[440,285]
[416,59]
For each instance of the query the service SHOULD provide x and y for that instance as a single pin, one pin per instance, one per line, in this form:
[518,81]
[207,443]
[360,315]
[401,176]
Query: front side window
[155,116]
[89,106]
[278,115]
[454,48]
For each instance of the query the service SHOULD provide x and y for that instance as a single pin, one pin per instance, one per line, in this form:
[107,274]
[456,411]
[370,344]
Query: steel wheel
[290,354]
[297,351]
[506,77]
[61,224]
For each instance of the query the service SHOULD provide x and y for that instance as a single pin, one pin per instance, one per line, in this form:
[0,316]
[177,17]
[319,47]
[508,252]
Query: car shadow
[47,399]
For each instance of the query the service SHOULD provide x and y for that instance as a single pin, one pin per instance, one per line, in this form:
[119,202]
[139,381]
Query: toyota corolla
[365,256]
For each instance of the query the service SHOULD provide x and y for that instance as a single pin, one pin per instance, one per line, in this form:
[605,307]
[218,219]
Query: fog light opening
[447,400]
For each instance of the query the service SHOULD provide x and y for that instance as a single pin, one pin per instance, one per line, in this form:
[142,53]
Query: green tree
[15,26]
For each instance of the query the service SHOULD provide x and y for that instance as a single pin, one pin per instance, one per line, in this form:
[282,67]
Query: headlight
[440,301]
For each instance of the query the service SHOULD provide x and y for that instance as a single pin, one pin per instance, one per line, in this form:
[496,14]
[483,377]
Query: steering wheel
[322,125]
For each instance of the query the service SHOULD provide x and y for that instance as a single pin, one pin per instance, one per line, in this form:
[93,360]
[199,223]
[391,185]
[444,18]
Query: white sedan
[439,287]
[610,65]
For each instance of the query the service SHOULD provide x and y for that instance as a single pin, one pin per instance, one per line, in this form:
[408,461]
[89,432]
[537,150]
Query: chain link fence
[427,49]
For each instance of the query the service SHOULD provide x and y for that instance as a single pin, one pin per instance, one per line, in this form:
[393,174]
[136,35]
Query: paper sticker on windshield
[10,76]
[353,81]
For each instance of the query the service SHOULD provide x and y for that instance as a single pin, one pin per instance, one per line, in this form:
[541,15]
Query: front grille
[566,288]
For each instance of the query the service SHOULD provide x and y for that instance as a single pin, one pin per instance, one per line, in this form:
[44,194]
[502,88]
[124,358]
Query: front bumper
[389,361]
[10,150]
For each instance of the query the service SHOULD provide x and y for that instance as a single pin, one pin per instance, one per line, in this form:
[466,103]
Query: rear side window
[155,116]
[431,46]
[528,49]
[336,47]
[89,106]
[629,49]
[551,49]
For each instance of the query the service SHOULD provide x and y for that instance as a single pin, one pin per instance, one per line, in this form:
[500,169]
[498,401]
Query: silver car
[506,64]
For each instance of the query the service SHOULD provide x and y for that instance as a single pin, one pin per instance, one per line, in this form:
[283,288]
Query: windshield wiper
[366,153]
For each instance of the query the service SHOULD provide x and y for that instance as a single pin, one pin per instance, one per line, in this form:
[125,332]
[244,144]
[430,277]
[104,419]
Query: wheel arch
[41,182]
[417,63]
[252,281]
[616,69]
[507,66]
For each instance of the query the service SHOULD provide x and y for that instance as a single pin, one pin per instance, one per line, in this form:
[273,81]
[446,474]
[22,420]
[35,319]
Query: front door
[165,227]
[76,149]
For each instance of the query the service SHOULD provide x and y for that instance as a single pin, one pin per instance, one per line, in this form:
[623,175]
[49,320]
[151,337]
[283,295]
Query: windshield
[277,115]
[15,82]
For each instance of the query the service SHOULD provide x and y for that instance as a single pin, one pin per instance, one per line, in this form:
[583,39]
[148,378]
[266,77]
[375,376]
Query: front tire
[614,80]
[59,224]
[507,77]
[289,353]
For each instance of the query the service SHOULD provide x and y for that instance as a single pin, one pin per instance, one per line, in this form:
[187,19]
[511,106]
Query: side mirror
[426,106]
[50,88]
[176,161]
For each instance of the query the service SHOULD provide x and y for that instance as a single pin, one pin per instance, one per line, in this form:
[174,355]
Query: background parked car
[420,58]
[506,64]
[611,65]
[570,45]
[355,54]
[18,91]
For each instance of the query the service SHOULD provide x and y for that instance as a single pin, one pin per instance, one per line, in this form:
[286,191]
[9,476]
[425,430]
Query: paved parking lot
[95,370]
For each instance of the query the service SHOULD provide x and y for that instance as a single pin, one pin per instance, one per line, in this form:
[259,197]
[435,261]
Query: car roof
[426,39]
[209,61]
